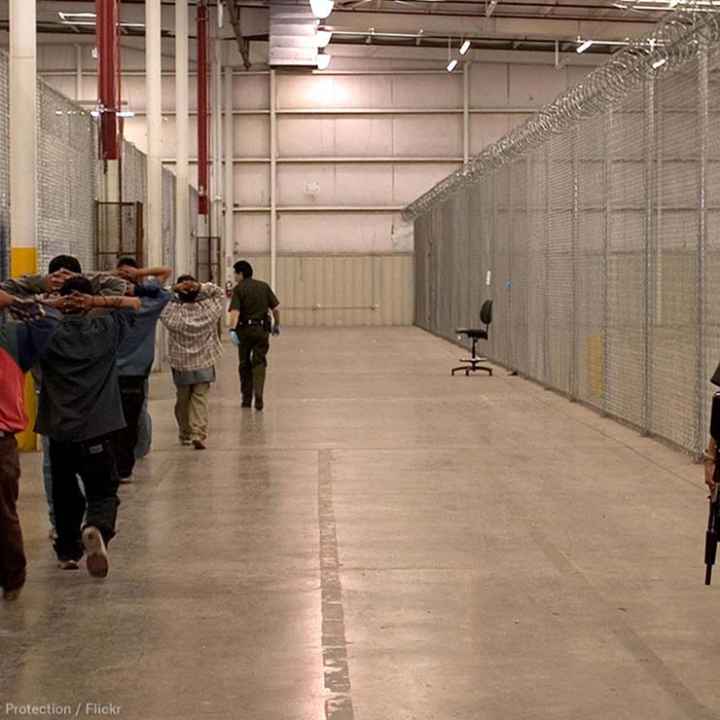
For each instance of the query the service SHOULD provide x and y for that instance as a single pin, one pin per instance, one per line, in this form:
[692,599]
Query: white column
[466,112]
[23,124]
[229,144]
[78,73]
[273,179]
[183,254]
[153,69]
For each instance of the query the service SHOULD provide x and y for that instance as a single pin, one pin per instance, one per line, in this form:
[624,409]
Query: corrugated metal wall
[342,290]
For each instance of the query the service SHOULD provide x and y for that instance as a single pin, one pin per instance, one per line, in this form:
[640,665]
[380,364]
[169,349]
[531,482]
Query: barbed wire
[676,40]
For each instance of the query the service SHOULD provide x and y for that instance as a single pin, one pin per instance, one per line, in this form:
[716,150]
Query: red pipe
[202,63]
[108,73]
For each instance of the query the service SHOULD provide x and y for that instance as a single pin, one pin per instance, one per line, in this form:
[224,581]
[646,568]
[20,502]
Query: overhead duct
[292,35]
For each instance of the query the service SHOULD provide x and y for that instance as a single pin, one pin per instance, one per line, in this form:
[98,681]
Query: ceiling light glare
[322,38]
[323,61]
[322,8]
[584,46]
[452,65]
[465,47]
[659,63]
[76,16]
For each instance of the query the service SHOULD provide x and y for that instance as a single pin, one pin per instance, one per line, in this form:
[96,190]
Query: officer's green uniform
[253,299]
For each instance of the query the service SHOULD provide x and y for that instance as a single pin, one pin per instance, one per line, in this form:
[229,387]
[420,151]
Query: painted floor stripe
[338,705]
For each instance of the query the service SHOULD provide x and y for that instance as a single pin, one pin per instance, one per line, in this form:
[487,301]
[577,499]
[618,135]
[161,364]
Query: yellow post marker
[23,261]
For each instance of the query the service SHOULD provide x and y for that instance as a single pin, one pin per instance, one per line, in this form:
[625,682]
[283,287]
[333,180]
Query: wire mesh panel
[560,270]
[590,259]
[66,179]
[169,185]
[597,227]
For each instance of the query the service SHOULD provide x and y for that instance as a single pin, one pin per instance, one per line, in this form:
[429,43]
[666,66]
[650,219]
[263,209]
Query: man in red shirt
[20,344]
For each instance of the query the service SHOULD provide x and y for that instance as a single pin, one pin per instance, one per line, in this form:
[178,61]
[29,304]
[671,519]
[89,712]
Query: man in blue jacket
[137,354]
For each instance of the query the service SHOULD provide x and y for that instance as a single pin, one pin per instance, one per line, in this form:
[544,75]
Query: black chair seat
[477,334]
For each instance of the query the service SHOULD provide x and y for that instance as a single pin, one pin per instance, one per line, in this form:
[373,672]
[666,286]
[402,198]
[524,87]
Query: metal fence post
[702,241]
[648,250]
[509,280]
[574,237]
[546,280]
[607,229]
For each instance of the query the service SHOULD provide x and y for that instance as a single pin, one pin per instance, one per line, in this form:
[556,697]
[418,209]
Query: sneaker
[68,564]
[259,404]
[199,445]
[246,404]
[96,552]
[11,595]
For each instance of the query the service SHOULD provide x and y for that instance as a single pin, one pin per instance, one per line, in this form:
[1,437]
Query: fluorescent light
[465,47]
[584,46]
[77,16]
[659,63]
[452,65]
[323,61]
[322,38]
[322,8]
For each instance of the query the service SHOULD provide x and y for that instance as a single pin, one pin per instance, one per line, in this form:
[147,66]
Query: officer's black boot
[259,386]
[246,386]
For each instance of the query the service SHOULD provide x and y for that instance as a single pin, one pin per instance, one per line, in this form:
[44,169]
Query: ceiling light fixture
[322,38]
[584,46]
[452,65]
[465,47]
[322,8]
[323,61]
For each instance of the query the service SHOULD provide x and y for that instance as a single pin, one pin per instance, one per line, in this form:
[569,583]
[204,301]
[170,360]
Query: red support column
[203,80]
[108,74]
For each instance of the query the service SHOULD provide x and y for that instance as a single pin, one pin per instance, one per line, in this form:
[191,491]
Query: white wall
[354,147]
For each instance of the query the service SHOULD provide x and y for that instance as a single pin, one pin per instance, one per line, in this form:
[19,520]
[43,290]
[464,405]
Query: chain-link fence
[66,179]
[596,232]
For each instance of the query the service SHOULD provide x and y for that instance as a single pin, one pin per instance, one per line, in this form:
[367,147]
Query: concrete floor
[383,543]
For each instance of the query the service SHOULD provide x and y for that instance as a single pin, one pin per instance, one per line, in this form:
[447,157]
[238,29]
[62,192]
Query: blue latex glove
[234,338]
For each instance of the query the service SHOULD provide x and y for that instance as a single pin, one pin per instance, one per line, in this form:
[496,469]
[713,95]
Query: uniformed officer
[252,304]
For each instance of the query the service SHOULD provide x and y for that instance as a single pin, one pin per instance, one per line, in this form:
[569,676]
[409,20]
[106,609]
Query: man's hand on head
[56,280]
[129,273]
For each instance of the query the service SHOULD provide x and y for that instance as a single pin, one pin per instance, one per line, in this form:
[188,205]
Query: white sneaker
[96,557]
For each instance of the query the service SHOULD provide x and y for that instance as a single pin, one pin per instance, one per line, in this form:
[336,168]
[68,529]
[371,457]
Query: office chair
[473,364]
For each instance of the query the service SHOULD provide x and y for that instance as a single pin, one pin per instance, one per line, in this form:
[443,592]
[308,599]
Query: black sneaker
[246,403]
[259,404]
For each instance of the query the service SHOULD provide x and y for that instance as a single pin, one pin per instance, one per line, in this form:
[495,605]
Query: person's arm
[33,335]
[78,301]
[107,284]
[274,304]
[137,275]
[29,285]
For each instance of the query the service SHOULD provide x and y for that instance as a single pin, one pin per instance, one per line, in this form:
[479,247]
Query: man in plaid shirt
[194,347]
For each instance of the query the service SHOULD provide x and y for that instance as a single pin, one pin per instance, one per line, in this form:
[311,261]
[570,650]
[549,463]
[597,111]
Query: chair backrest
[486,312]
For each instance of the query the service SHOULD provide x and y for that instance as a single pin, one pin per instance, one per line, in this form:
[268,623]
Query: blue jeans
[144,440]
[47,478]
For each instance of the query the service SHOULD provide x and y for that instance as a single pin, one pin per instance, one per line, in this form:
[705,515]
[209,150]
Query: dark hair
[64,262]
[78,283]
[127,262]
[183,278]
[243,268]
